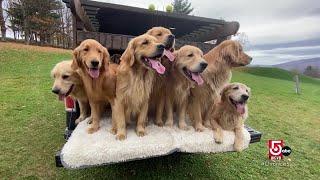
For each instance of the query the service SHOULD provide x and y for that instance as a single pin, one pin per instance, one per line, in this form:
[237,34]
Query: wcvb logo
[277,149]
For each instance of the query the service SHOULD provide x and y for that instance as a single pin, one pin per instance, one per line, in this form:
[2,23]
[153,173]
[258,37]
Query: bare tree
[2,22]
[243,39]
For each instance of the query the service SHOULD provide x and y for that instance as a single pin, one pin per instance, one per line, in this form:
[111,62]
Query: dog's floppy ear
[223,92]
[105,59]
[128,55]
[76,59]
[228,50]
[176,58]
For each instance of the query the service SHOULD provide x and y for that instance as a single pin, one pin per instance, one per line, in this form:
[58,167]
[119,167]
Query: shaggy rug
[85,150]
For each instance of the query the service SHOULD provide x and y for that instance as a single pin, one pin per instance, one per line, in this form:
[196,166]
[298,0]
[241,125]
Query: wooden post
[297,84]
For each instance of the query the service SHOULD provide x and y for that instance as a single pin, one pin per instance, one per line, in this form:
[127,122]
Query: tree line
[41,22]
[47,22]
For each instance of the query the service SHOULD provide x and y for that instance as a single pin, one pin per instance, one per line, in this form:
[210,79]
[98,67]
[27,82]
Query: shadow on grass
[171,166]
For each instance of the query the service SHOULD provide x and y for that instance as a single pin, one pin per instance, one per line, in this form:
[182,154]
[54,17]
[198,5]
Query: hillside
[33,122]
[299,65]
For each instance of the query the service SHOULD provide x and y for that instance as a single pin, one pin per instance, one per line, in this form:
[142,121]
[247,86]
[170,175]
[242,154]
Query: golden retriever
[185,74]
[91,61]
[221,60]
[68,82]
[157,97]
[135,80]
[230,113]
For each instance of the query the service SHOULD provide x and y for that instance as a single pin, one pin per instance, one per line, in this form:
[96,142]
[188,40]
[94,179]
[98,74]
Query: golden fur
[157,97]
[100,90]
[189,59]
[221,60]
[135,80]
[225,114]
[68,82]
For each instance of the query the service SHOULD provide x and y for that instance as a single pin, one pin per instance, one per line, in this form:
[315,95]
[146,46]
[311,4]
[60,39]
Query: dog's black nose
[244,97]
[161,47]
[203,65]
[56,90]
[171,36]
[94,63]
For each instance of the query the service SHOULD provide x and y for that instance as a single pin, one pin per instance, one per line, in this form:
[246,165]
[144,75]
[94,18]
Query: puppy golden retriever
[221,60]
[231,112]
[157,97]
[138,66]
[68,82]
[185,74]
[91,61]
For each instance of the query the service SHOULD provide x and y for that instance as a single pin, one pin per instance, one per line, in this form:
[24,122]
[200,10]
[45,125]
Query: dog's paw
[169,124]
[183,126]
[207,124]
[121,137]
[218,139]
[200,128]
[159,123]
[237,147]
[89,121]
[113,131]
[92,130]
[141,133]
[77,121]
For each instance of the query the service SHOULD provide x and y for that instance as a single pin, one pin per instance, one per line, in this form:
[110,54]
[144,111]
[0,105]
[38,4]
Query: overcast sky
[277,23]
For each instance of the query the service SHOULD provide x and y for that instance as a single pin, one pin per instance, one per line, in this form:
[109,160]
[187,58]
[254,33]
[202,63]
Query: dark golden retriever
[230,113]
[68,82]
[221,60]
[157,97]
[138,67]
[185,74]
[91,61]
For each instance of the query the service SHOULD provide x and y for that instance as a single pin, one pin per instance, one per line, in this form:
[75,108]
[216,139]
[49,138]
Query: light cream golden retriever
[91,61]
[157,97]
[138,66]
[184,75]
[230,113]
[221,60]
[68,82]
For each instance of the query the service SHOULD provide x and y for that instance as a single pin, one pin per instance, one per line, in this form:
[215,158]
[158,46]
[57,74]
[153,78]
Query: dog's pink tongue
[197,78]
[61,97]
[157,66]
[169,55]
[94,73]
[240,108]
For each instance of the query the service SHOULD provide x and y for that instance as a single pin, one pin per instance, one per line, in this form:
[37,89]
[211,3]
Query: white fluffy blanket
[84,150]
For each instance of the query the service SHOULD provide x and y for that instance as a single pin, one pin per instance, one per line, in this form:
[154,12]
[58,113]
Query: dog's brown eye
[159,34]
[190,55]
[65,76]
[235,88]
[99,51]
[145,42]
[247,90]
[86,49]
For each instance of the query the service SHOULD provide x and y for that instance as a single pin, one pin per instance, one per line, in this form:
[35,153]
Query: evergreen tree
[182,6]
[35,18]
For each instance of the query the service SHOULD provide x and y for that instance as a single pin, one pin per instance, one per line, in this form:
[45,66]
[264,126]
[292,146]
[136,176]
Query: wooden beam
[80,13]
[147,12]
[110,41]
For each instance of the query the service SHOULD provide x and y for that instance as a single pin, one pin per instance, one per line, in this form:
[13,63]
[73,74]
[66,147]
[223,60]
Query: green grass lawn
[33,122]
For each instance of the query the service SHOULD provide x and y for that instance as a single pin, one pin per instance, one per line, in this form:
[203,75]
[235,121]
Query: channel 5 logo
[277,149]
